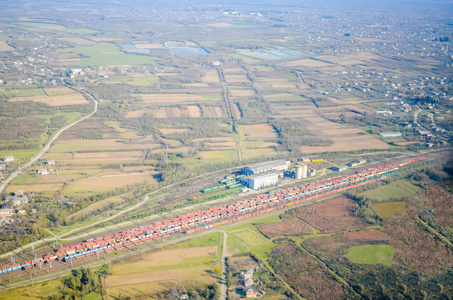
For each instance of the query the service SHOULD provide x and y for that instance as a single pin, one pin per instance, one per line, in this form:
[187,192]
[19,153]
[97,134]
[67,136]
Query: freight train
[215,216]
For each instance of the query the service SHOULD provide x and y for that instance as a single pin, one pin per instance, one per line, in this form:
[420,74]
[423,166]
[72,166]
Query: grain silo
[301,171]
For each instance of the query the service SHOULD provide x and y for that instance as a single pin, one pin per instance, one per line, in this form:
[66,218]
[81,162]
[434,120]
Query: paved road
[46,148]
[223,284]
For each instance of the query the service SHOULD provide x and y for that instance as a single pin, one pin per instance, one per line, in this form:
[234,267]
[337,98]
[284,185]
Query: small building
[50,162]
[340,168]
[216,63]
[304,159]
[18,193]
[259,182]
[247,274]
[384,112]
[272,165]
[250,293]
[356,163]
[43,172]
[21,212]
[8,158]
[6,212]
[248,282]
[3,166]
[390,134]
[184,297]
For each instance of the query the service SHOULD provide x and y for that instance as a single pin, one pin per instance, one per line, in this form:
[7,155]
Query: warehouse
[272,165]
[260,182]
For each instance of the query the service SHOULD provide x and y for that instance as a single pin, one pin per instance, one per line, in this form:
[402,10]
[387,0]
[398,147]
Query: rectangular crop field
[395,190]
[69,99]
[175,265]
[96,157]
[390,209]
[77,145]
[5,47]
[162,99]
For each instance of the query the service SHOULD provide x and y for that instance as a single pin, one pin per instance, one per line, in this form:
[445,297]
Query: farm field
[175,98]
[390,209]
[395,190]
[5,47]
[96,157]
[110,55]
[57,100]
[84,145]
[194,259]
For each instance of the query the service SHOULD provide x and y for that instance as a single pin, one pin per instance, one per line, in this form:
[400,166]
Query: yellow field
[194,111]
[259,131]
[242,93]
[59,91]
[252,153]
[27,188]
[211,76]
[311,63]
[173,98]
[70,99]
[178,265]
[234,71]
[69,145]
[136,113]
[390,209]
[236,78]
[5,47]
[96,157]
[108,182]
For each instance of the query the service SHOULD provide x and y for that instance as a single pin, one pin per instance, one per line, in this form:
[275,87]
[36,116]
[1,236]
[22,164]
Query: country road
[46,148]
[225,254]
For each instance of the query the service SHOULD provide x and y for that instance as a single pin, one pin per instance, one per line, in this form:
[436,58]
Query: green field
[52,26]
[389,209]
[371,254]
[109,54]
[23,93]
[395,190]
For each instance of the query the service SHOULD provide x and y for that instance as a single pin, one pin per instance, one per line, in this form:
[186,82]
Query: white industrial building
[259,182]
[273,165]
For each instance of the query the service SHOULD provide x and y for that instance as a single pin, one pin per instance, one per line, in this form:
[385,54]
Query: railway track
[212,217]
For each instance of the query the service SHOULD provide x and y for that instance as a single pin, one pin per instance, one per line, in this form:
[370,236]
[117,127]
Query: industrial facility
[273,165]
[301,171]
[259,182]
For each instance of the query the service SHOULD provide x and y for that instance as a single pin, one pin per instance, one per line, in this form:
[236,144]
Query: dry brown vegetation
[332,215]
[441,201]
[417,248]
[286,228]
[305,275]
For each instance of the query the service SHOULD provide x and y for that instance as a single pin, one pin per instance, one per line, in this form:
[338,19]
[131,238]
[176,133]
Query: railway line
[213,216]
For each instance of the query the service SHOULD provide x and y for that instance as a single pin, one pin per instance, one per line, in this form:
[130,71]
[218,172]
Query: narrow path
[46,148]
[223,283]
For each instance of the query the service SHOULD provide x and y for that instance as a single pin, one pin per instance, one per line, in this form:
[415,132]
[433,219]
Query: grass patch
[390,209]
[222,194]
[37,291]
[212,239]
[371,254]
[395,190]
[23,93]
[108,54]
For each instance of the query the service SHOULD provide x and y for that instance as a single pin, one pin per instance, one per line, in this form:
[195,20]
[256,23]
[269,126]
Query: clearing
[371,254]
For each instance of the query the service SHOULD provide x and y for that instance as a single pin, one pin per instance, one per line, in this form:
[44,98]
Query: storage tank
[301,171]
